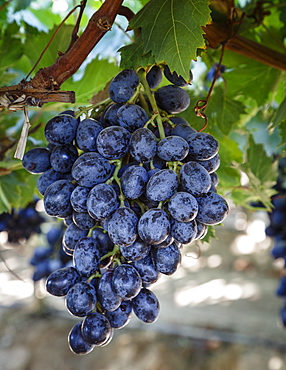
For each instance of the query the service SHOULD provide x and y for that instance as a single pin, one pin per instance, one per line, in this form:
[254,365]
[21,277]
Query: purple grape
[91,169]
[81,299]
[102,201]
[154,226]
[77,344]
[57,199]
[61,129]
[37,160]
[86,134]
[113,142]
[172,99]
[123,86]
[172,148]
[154,76]
[146,306]
[86,256]
[60,281]
[63,157]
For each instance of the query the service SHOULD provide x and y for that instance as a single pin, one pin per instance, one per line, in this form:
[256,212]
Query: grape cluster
[50,257]
[277,230]
[21,224]
[134,184]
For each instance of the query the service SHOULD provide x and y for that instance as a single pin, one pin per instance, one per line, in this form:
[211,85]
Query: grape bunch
[134,183]
[21,224]
[277,230]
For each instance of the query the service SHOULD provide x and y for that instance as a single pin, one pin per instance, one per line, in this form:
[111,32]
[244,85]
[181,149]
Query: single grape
[83,220]
[81,299]
[183,206]
[146,306]
[172,99]
[183,232]
[176,79]
[212,164]
[172,148]
[57,199]
[109,116]
[131,117]
[194,178]
[61,129]
[202,229]
[102,201]
[91,169]
[214,178]
[123,86]
[60,281]
[113,142]
[202,146]
[96,329]
[154,76]
[154,226]
[135,251]
[63,157]
[107,298]
[86,256]
[37,160]
[72,235]
[79,198]
[133,181]
[168,259]
[77,344]
[126,281]
[143,145]
[86,134]
[121,316]
[182,129]
[147,270]
[213,209]
[162,185]
[122,226]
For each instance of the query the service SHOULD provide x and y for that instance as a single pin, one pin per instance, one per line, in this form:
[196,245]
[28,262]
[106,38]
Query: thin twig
[51,40]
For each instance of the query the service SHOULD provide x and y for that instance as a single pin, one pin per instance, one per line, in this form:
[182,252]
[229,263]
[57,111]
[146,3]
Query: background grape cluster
[134,183]
[21,224]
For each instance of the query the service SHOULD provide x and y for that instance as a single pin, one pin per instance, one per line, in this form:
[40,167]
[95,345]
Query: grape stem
[152,100]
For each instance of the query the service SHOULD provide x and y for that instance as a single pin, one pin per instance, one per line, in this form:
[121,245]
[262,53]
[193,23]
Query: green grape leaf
[223,111]
[37,41]
[280,114]
[96,75]
[17,189]
[244,76]
[133,57]
[261,171]
[47,17]
[11,48]
[171,31]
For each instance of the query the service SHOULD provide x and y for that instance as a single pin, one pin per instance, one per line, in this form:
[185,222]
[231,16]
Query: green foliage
[97,74]
[16,190]
[171,32]
[261,172]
